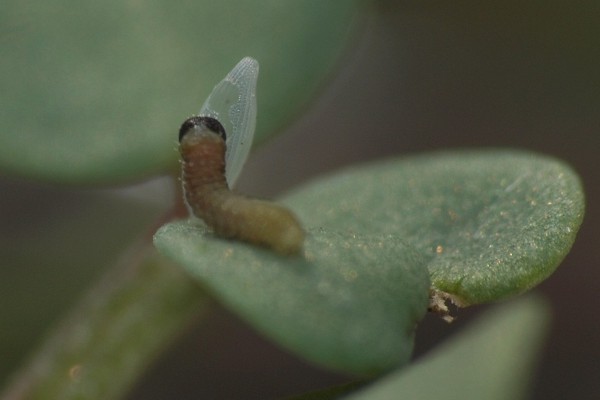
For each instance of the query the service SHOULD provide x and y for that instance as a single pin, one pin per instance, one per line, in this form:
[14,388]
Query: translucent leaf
[491,360]
[491,224]
[351,302]
[95,91]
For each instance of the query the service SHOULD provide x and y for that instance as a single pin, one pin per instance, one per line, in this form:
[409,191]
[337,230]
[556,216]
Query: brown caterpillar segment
[230,215]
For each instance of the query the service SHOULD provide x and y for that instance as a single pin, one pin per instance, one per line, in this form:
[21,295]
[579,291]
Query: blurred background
[417,77]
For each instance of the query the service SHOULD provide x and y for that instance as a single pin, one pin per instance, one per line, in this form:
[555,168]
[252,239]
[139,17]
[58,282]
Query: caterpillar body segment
[230,215]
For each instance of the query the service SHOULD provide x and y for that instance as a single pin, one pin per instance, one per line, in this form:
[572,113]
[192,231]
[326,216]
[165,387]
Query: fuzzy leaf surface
[491,224]
[349,302]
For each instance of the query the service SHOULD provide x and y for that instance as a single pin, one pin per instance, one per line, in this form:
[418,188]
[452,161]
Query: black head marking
[203,123]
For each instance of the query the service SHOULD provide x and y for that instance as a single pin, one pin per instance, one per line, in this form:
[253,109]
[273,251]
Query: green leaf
[491,224]
[52,252]
[102,346]
[493,360]
[96,91]
[350,302]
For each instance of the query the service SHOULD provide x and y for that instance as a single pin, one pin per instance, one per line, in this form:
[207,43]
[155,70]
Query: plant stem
[108,340]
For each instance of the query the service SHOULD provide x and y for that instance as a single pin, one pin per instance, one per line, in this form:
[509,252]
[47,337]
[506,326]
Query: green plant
[476,226]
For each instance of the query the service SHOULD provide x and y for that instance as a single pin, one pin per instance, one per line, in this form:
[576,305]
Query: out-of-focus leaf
[51,253]
[95,91]
[491,360]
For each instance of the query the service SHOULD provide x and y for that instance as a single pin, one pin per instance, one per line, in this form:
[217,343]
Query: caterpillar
[208,169]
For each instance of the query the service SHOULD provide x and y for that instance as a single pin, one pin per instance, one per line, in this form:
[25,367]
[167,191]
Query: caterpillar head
[200,124]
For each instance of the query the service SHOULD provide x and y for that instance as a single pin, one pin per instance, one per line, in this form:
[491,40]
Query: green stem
[99,350]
